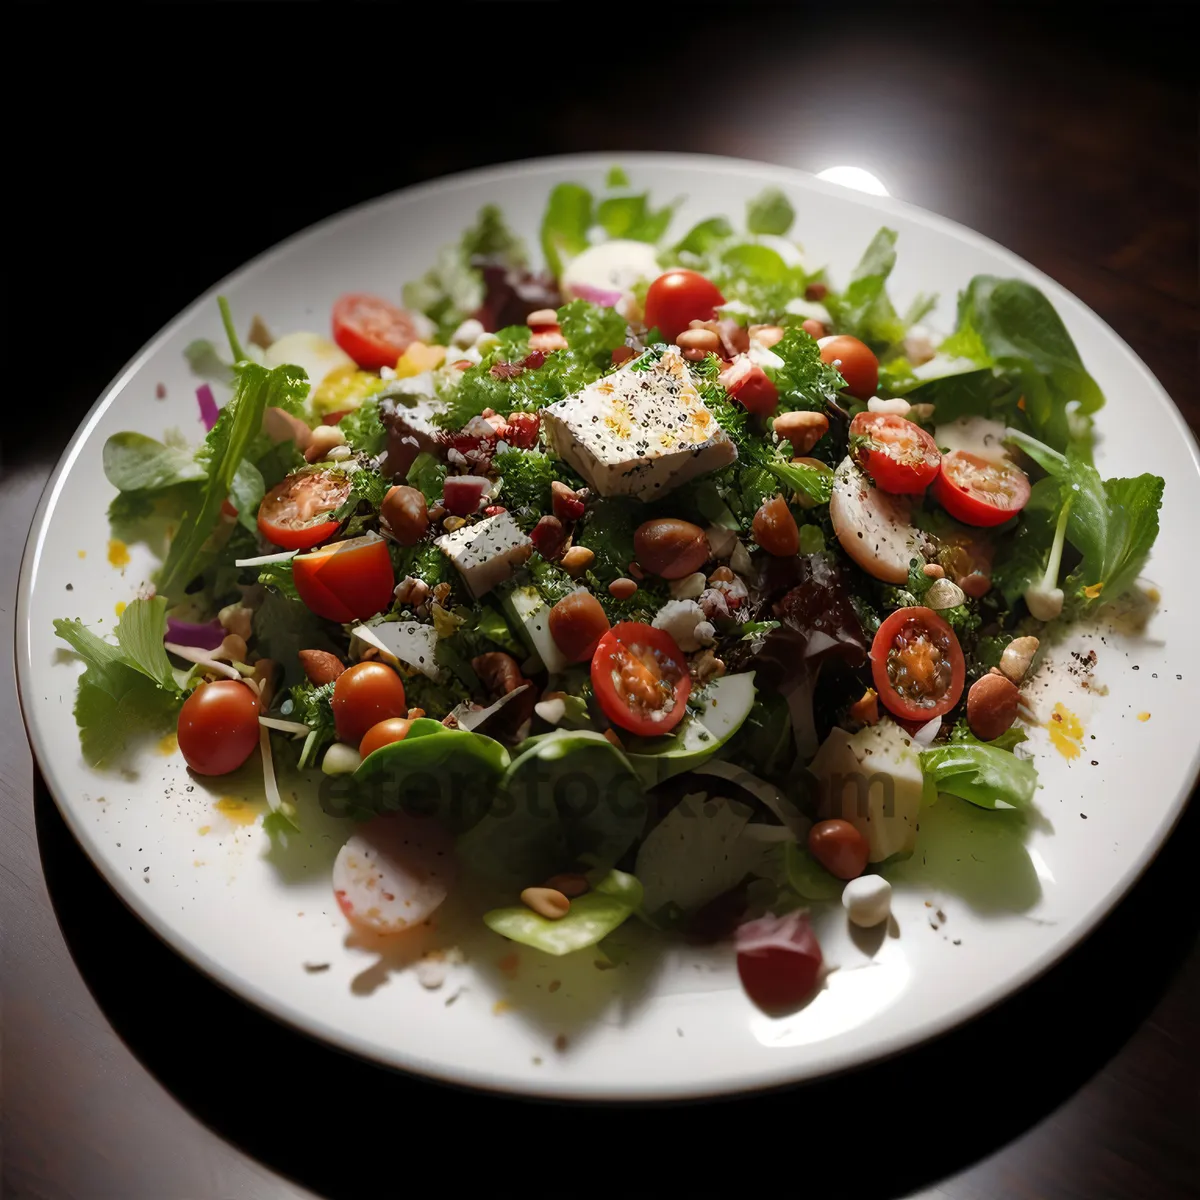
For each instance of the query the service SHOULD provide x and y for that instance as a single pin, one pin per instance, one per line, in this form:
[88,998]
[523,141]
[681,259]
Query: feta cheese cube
[639,432]
[486,553]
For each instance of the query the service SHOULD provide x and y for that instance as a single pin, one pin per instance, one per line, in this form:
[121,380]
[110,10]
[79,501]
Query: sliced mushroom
[873,527]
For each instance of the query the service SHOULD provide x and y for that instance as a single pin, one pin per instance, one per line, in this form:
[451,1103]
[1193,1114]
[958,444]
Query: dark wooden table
[128,1074]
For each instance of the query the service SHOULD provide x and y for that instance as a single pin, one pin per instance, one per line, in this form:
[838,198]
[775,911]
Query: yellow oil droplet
[1066,731]
[197,862]
[237,810]
[118,553]
[119,607]
[204,829]
[81,553]
[1143,716]
[168,744]
[501,1006]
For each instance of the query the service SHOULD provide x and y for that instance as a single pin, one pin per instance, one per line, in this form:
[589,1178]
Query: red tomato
[839,848]
[364,696]
[898,454]
[859,367]
[679,297]
[641,678]
[779,961]
[978,491]
[294,513]
[218,727]
[384,733]
[346,581]
[373,331]
[748,384]
[917,664]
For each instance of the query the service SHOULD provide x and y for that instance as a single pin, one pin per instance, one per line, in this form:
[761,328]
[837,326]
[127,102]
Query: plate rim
[480,1077]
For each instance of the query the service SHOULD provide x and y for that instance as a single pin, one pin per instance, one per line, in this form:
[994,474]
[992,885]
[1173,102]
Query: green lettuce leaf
[984,774]
[140,632]
[816,484]
[1112,523]
[237,426]
[864,309]
[804,381]
[613,899]
[565,224]
[704,237]
[632,218]
[363,430]
[134,462]
[769,212]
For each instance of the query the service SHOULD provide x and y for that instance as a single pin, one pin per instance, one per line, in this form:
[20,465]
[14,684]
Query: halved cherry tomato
[641,678]
[898,454]
[383,733]
[373,331]
[679,297]
[917,664]
[363,697]
[980,491]
[859,367]
[346,581]
[294,513]
[218,727]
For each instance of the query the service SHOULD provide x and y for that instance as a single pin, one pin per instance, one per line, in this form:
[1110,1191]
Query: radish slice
[393,873]
[873,526]
[610,269]
[461,494]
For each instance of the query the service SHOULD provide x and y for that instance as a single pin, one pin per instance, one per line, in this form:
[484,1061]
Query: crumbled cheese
[487,552]
[682,620]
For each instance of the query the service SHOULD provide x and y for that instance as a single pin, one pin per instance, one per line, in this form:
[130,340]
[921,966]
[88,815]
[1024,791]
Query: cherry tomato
[218,727]
[373,331]
[366,695]
[294,513]
[979,491]
[641,678]
[898,454]
[779,961]
[917,664]
[859,367]
[839,848]
[748,384]
[384,733]
[346,581]
[678,298]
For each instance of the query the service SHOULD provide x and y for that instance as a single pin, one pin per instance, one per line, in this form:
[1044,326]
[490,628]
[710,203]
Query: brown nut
[766,335]
[404,513]
[546,902]
[703,340]
[572,886]
[775,530]
[803,429]
[577,560]
[933,571]
[577,623]
[320,666]
[623,588]
[670,548]
[992,706]
[976,585]
[498,672]
[722,575]
[813,328]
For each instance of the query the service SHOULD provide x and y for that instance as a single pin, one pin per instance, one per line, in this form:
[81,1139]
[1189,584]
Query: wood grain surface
[163,165]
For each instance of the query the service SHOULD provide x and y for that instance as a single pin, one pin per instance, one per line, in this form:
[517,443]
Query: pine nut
[721,575]
[813,328]
[623,588]
[933,571]
[699,339]
[546,902]
[543,316]
[571,886]
[803,429]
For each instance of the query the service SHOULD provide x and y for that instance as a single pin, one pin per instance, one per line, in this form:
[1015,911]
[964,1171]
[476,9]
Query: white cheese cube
[486,553]
[639,432]
[409,407]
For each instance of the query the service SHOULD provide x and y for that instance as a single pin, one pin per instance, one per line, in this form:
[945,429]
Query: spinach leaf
[565,224]
[769,212]
[986,775]
[864,309]
[704,237]
[134,462]
[612,900]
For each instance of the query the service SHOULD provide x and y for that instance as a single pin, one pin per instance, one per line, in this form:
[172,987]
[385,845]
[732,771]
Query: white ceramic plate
[982,907]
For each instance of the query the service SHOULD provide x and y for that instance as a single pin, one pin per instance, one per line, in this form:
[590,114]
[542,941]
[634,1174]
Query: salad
[664,581]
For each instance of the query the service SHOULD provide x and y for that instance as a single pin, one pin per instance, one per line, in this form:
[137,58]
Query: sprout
[1045,599]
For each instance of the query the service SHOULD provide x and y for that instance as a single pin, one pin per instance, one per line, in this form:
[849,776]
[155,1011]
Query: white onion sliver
[296,727]
[767,793]
[363,633]
[925,735]
[274,799]
[263,559]
[201,658]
